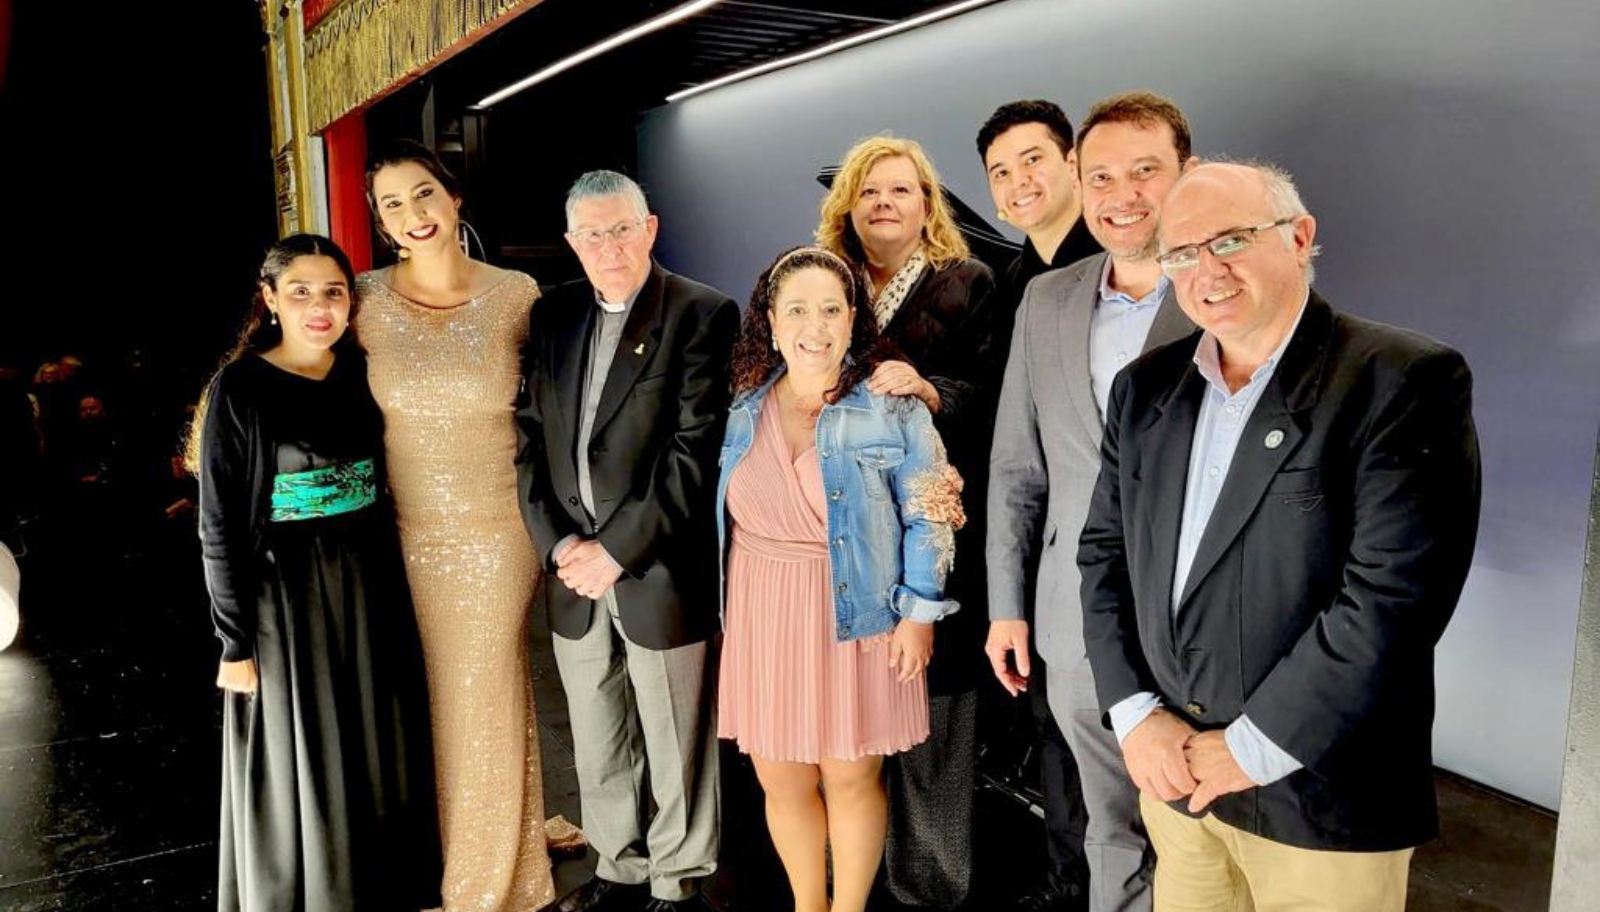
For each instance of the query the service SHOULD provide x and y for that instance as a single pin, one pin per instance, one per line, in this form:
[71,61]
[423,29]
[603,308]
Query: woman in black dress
[327,780]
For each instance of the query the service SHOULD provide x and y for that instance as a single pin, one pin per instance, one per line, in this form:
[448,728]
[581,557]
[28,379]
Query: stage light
[893,28]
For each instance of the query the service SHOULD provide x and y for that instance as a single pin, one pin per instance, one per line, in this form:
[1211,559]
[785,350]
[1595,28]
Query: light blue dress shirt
[1223,415]
[1118,329]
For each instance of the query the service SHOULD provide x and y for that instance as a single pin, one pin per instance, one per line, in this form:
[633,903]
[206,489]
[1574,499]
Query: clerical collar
[611,308]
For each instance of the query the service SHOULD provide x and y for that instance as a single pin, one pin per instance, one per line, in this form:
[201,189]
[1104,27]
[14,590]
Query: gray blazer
[1046,456]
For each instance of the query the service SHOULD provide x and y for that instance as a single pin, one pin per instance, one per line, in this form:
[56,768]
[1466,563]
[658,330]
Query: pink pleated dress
[789,690]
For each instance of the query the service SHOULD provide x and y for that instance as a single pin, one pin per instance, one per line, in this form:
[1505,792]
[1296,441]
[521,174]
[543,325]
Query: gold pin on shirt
[640,349]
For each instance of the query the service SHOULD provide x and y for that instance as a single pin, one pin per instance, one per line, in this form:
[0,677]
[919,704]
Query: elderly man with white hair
[621,424]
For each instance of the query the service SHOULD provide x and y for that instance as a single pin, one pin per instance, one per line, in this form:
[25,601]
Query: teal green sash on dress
[339,488]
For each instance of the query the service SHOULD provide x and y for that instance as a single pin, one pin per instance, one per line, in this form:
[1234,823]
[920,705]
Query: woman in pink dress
[837,512]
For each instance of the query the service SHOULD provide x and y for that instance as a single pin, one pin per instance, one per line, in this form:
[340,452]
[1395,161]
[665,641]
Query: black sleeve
[968,380]
[545,526]
[229,491]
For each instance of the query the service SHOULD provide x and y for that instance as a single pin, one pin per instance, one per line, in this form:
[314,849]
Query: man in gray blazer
[1076,328]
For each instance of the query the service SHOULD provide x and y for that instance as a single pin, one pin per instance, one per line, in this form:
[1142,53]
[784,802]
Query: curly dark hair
[755,360]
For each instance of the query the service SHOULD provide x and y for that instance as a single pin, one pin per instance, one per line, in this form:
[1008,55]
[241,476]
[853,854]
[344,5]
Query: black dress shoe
[1049,899]
[600,895]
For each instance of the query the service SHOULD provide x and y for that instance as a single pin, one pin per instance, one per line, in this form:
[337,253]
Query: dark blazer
[652,452]
[945,328]
[1325,577]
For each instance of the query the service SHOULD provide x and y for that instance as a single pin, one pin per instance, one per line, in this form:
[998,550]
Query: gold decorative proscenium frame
[296,199]
[328,58]
[358,50]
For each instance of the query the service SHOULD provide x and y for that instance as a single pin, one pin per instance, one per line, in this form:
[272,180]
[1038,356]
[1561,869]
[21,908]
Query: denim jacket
[891,498]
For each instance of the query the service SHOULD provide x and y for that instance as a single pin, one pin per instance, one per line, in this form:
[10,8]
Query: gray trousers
[1121,861]
[634,709]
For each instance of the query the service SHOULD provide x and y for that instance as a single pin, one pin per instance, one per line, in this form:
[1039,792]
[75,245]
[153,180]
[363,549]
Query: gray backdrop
[1450,150]
[1577,879]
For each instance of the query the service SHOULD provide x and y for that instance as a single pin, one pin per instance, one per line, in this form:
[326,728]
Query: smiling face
[1127,170]
[811,317]
[312,301]
[1030,178]
[890,210]
[1250,299]
[415,209]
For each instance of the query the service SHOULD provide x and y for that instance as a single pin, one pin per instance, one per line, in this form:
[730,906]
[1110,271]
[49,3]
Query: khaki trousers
[1208,866]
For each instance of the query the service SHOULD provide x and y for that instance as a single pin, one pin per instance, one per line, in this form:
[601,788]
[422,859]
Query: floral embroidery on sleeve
[935,493]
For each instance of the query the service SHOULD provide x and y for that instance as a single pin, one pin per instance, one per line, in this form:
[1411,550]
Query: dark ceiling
[724,39]
[518,157]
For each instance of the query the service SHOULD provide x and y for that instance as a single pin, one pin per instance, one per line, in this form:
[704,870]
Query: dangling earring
[1001,215]
[466,235]
[775,343]
[272,316]
[400,251]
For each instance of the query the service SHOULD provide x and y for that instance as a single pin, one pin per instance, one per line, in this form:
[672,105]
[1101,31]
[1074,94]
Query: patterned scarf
[887,301]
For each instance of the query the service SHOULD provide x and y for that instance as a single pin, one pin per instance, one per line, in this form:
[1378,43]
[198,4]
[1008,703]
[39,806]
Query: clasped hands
[1168,759]
[587,569]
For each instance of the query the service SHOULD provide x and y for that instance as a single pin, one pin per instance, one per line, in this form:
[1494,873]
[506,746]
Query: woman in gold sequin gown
[443,333]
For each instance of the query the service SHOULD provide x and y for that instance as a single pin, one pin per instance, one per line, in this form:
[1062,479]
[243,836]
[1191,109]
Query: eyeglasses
[595,238]
[1229,243]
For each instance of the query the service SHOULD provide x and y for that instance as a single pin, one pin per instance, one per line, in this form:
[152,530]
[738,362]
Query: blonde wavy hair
[941,239]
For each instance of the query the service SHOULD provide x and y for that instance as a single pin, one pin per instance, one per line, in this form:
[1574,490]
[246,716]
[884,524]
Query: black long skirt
[327,771]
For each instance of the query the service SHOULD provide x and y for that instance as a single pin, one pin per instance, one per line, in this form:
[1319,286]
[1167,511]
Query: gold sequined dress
[446,379]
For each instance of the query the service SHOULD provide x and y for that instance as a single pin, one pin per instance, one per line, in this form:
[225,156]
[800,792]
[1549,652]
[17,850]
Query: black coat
[652,453]
[946,329]
[1331,563]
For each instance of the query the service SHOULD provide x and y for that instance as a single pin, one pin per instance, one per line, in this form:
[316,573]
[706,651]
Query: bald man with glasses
[1285,515]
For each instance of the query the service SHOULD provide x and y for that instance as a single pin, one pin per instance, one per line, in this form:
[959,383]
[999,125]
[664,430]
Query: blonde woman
[887,215]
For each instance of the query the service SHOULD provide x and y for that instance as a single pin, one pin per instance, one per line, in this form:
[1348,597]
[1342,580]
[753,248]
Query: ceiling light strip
[943,12]
[660,22]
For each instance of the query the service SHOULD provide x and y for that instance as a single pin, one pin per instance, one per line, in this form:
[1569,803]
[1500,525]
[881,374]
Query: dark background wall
[137,205]
[1449,149]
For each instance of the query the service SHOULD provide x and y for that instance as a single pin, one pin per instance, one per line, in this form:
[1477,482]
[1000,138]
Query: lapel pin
[639,349]
[1274,439]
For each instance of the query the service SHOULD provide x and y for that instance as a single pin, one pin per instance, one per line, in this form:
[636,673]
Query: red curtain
[346,141]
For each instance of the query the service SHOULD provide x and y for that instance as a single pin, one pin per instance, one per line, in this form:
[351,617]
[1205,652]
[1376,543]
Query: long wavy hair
[754,358]
[941,238]
[260,334]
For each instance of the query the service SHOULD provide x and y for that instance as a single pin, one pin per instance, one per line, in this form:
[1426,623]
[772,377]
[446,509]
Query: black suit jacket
[1325,577]
[652,453]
